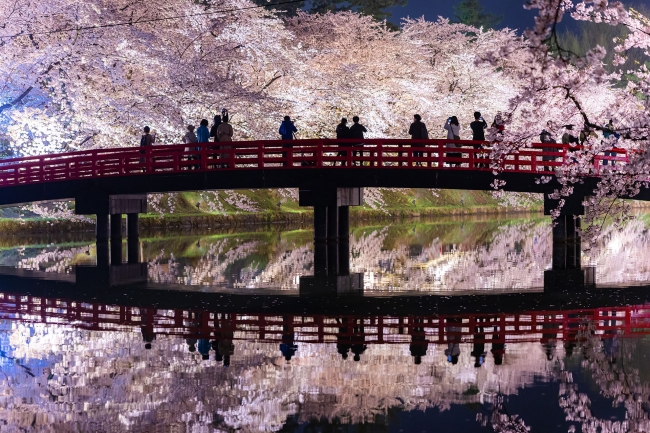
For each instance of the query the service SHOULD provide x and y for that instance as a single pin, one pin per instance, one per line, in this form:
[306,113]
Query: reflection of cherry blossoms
[606,361]
[54,260]
[119,384]
[515,258]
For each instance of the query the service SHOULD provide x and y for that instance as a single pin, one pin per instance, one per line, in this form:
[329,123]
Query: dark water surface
[466,325]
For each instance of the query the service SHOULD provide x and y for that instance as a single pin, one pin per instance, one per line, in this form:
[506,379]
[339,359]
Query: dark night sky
[514,15]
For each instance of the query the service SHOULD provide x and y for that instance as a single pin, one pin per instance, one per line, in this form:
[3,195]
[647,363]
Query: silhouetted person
[287,130]
[342,133]
[215,127]
[418,131]
[500,127]
[478,127]
[546,137]
[224,134]
[453,329]
[608,133]
[342,338]
[569,138]
[191,344]
[147,140]
[202,132]
[419,343]
[453,133]
[356,131]
[358,339]
[189,137]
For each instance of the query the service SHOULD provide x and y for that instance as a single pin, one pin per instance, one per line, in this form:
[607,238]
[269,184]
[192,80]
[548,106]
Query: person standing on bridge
[146,140]
[478,126]
[287,130]
[418,131]
[453,133]
[546,137]
[190,137]
[215,127]
[342,133]
[224,134]
[356,131]
[202,132]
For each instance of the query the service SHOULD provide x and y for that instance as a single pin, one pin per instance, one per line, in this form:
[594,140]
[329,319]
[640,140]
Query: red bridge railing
[627,321]
[298,154]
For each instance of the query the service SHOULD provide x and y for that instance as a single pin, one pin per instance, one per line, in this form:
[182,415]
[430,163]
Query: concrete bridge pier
[566,271]
[133,238]
[331,240]
[331,210]
[102,205]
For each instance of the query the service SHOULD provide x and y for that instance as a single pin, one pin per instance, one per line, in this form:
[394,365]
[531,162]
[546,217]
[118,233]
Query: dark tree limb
[17,100]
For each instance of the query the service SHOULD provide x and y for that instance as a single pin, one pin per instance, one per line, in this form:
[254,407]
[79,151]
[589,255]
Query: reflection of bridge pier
[566,271]
[331,239]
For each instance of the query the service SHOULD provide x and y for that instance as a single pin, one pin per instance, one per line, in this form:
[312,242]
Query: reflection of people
[287,347]
[146,326]
[549,337]
[453,337]
[342,338]
[358,339]
[478,350]
[498,345]
[610,338]
[419,343]
[204,348]
[225,347]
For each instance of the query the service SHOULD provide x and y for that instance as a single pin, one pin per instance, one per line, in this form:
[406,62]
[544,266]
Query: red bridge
[330,174]
[298,154]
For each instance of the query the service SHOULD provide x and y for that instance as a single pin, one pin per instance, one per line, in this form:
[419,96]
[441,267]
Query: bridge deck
[276,164]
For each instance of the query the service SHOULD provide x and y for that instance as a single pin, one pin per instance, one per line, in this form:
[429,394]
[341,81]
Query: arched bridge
[329,173]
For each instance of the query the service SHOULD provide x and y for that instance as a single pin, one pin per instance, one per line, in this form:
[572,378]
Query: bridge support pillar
[133,240]
[566,271]
[102,204]
[331,210]
[116,226]
[101,254]
[102,227]
[344,224]
[116,251]
[320,224]
[132,229]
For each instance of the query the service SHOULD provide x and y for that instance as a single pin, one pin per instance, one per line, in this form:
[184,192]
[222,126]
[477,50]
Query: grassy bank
[254,207]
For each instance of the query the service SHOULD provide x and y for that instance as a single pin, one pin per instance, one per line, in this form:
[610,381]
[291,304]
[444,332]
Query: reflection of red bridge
[508,328]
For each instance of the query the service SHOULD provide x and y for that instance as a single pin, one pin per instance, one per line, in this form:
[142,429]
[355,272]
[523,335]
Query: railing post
[441,155]
[204,156]
[260,155]
[319,153]
[289,153]
[147,156]
[380,153]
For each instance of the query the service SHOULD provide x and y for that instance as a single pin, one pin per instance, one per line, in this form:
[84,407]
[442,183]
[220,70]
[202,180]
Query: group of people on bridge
[222,131]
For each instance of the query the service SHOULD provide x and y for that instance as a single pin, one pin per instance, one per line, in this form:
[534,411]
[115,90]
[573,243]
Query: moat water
[455,325]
